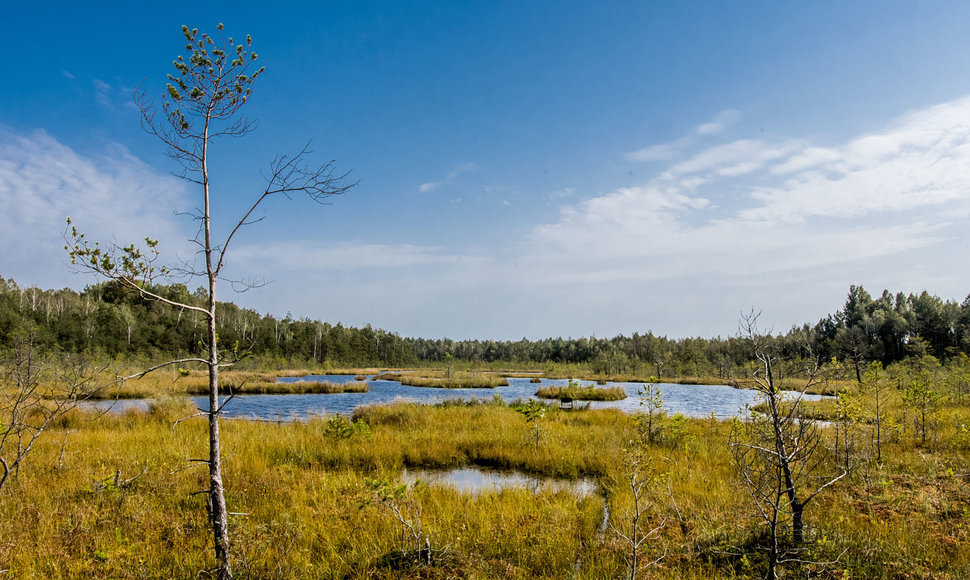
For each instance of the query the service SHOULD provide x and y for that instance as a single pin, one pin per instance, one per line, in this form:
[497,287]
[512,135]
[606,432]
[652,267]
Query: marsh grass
[582,393]
[309,513]
[169,383]
[290,388]
[445,380]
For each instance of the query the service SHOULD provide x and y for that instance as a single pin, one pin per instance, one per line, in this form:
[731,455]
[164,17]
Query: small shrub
[339,427]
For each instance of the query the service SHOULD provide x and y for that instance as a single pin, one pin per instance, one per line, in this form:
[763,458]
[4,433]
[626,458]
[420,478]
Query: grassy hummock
[441,380]
[582,393]
[292,388]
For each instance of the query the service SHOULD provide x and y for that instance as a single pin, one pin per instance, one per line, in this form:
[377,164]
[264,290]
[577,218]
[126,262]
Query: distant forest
[110,319]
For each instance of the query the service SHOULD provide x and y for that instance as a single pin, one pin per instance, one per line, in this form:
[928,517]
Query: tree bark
[217,498]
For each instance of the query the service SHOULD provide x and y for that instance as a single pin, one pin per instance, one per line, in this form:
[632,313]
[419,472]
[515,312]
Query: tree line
[113,320]
[110,319]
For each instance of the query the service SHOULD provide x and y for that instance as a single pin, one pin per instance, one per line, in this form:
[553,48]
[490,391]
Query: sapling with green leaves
[652,412]
[340,427]
[534,411]
[876,386]
[922,396]
[849,416]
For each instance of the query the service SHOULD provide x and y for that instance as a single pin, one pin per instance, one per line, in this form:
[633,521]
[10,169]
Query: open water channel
[690,400]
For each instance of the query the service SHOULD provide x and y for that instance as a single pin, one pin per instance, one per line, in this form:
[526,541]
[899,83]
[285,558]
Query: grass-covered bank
[317,499]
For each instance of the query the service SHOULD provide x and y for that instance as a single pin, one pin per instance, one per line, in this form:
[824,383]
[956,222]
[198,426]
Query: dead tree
[35,391]
[780,455]
[639,476]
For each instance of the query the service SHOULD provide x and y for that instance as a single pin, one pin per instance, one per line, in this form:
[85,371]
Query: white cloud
[783,226]
[449,177]
[825,215]
[722,121]
[561,193]
[669,151]
[111,197]
[661,152]
[102,92]
[731,159]
[920,162]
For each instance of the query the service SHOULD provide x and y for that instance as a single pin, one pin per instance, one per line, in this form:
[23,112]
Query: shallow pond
[475,480]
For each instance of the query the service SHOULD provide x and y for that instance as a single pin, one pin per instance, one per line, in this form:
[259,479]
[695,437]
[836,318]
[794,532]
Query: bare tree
[780,455]
[639,476]
[202,103]
[877,387]
[35,391]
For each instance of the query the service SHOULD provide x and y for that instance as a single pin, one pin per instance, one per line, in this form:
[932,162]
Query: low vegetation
[446,380]
[577,392]
[293,388]
[113,495]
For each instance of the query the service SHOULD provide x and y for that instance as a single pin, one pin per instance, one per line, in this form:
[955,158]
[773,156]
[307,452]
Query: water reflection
[475,480]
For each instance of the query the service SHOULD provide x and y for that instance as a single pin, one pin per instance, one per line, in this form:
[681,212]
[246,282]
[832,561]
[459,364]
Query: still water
[690,400]
[475,480]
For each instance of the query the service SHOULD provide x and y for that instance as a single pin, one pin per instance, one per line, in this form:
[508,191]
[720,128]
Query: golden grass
[169,382]
[582,393]
[445,380]
[309,512]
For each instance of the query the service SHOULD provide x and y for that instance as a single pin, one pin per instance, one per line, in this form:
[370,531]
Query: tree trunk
[797,524]
[217,498]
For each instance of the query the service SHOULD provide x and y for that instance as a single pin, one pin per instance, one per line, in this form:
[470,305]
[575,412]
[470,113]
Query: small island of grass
[290,388]
[444,381]
[581,393]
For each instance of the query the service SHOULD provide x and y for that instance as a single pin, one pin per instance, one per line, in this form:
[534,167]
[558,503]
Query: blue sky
[526,169]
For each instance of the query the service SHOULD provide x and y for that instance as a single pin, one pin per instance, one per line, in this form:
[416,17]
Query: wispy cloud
[112,96]
[661,152]
[781,225]
[111,197]
[918,165]
[668,151]
[102,92]
[719,123]
[450,177]
[561,193]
